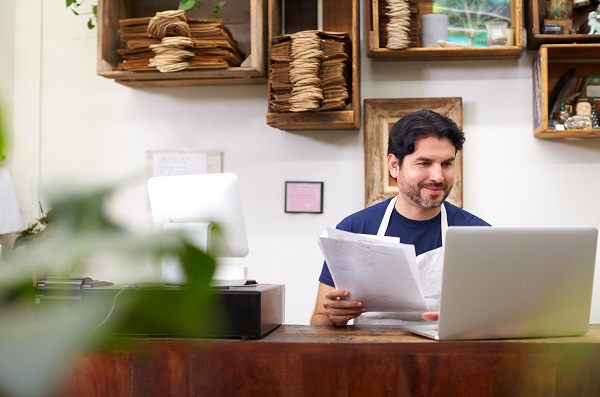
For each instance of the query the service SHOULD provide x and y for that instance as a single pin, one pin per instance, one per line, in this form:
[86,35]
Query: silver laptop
[501,282]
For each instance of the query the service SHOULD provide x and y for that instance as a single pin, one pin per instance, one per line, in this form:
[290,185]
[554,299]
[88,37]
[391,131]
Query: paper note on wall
[166,163]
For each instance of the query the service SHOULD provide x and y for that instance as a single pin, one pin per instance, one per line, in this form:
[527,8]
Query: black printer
[240,312]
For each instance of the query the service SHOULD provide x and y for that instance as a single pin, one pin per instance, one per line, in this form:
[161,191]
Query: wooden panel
[380,53]
[296,360]
[551,62]
[246,19]
[300,15]
[338,16]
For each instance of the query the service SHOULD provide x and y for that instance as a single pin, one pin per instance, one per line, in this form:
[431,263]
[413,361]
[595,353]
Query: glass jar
[496,33]
[578,123]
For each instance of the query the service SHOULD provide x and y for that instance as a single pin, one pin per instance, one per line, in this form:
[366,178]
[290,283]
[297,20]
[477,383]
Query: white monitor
[196,204]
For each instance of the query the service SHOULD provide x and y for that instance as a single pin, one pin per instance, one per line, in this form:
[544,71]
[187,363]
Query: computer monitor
[207,207]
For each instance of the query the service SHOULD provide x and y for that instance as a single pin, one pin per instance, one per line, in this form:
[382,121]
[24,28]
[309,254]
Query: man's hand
[334,307]
[431,316]
[339,310]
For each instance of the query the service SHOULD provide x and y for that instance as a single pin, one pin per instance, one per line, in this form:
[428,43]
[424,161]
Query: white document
[379,271]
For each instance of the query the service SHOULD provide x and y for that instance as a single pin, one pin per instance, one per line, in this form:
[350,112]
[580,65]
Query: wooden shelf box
[338,16]
[377,51]
[536,13]
[246,19]
[551,63]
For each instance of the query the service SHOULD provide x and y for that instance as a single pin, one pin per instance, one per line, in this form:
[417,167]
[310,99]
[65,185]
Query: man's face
[426,176]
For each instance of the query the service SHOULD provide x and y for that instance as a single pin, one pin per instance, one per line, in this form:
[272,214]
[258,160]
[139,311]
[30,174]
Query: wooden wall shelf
[379,53]
[551,63]
[536,13]
[338,16]
[246,19]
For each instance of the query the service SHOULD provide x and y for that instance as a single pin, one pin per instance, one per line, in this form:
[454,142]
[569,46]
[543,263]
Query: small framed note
[304,197]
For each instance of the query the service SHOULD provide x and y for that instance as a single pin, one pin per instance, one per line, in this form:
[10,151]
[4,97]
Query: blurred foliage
[189,4]
[78,8]
[39,228]
[35,348]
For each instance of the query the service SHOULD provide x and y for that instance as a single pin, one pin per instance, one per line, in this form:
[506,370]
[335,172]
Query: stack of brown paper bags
[412,34]
[212,45]
[310,71]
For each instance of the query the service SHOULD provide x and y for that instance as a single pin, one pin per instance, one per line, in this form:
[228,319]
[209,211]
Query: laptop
[503,282]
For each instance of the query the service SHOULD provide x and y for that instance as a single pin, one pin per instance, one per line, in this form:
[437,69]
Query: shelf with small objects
[566,80]
[226,48]
[562,22]
[404,30]
[314,77]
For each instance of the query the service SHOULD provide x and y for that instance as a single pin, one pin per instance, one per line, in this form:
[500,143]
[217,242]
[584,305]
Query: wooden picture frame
[380,116]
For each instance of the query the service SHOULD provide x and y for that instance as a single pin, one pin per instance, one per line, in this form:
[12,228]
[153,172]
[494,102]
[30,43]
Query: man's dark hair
[418,125]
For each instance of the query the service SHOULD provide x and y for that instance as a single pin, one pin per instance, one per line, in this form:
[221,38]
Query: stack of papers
[379,271]
[310,71]
[212,45]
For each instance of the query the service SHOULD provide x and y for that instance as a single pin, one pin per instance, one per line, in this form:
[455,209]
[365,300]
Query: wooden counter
[296,360]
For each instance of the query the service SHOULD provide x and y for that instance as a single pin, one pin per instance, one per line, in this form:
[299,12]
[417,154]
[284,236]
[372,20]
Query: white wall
[72,125]
[7,51]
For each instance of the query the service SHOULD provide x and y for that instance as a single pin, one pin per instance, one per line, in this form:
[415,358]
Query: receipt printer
[238,312]
[62,293]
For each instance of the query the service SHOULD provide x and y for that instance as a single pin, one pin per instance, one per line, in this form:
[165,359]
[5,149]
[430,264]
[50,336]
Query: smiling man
[422,150]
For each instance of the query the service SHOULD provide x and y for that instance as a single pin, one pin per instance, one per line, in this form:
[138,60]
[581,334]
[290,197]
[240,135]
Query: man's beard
[414,194]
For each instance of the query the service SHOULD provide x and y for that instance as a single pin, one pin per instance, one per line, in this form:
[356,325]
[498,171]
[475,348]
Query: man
[421,154]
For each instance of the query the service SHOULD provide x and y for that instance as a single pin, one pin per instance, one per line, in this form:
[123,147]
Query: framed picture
[304,197]
[380,116]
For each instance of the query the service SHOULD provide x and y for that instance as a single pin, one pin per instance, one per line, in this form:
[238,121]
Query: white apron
[430,266]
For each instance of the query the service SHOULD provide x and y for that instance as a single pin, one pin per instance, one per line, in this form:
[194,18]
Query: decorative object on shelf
[581,3]
[398,27]
[566,111]
[434,29]
[510,37]
[594,21]
[583,108]
[170,42]
[552,28]
[448,44]
[380,116]
[558,26]
[496,33]
[595,119]
[310,71]
[578,123]
[559,9]
[563,89]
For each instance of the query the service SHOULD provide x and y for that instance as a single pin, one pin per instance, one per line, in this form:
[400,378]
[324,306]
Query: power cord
[129,286]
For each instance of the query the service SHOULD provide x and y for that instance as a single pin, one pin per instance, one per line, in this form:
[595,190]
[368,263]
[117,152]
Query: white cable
[113,305]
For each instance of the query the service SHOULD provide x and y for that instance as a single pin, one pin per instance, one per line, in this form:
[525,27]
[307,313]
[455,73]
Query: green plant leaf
[35,356]
[69,2]
[217,7]
[186,4]
[90,23]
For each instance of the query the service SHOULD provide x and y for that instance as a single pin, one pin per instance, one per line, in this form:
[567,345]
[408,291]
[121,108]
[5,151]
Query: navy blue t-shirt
[424,235]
